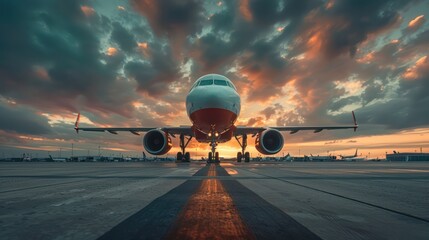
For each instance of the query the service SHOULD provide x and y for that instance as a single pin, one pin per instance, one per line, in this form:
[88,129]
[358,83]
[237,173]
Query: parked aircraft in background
[57,159]
[348,157]
[322,158]
[213,106]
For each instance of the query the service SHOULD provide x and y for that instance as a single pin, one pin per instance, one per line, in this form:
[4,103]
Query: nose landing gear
[213,155]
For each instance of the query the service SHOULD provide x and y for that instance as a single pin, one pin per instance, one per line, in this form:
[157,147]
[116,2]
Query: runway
[289,200]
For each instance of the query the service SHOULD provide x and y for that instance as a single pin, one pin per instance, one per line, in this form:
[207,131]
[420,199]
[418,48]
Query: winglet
[76,124]
[354,121]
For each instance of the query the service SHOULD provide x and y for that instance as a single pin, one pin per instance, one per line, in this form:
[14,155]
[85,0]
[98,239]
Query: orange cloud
[330,4]
[368,58]
[415,71]
[245,10]
[416,22]
[88,11]
[144,48]
[111,51]
[41,73]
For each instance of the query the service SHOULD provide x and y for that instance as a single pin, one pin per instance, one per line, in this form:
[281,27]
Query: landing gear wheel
[210,157]
[239,157]
[179,156]
[182,156]
[217,157]
[247,157]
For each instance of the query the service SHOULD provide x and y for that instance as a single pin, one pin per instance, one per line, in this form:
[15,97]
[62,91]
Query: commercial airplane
[213,106]
[348,157]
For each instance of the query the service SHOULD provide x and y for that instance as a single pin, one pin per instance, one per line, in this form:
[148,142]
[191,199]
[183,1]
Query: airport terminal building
[405,157]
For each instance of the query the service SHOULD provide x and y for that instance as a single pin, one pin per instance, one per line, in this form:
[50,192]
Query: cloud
[123,38]
[64,48]
[319,59]
[23,120]
[154,77]
[271,110]
[417,22]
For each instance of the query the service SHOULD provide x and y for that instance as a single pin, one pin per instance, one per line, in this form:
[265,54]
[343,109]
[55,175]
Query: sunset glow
[132,64]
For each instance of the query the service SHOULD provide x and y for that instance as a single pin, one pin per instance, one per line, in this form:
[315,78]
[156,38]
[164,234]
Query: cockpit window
[231,85]
[220,82]
[206,82]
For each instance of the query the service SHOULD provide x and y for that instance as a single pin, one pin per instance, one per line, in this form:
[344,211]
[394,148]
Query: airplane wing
[294,129]
[186,130]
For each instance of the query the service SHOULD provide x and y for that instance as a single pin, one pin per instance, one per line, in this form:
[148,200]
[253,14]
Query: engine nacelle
[269,142]
[157,142]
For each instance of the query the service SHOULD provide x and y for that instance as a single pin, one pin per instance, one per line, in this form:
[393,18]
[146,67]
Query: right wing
[185,130]
[294,129]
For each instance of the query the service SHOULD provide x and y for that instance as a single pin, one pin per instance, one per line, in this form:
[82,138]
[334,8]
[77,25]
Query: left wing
[294,129]
[186,130]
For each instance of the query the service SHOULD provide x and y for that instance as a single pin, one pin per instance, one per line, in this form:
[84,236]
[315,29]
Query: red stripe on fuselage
[204,119]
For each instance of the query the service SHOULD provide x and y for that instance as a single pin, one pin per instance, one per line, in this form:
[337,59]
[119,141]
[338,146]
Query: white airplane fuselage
[213,106]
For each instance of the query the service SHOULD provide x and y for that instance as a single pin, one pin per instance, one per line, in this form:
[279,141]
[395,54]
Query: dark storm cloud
[123,38]
[213,52]
[372,92]
[22,120]
[155,76]
[337,105]
[54,58]
[353,21]
[51,56]
[175,19]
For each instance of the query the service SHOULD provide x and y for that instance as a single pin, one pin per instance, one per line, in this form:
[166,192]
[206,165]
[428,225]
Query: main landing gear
[184,156]
[243,145]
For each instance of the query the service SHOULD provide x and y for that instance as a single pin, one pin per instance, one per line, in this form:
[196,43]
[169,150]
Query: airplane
[348,157]
[57,159]
[213,106]
[322,158]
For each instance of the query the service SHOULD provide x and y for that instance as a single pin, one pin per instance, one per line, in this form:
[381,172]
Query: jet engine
[269,142]
[157,142]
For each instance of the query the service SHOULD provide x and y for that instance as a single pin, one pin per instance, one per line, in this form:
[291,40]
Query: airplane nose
[213,97]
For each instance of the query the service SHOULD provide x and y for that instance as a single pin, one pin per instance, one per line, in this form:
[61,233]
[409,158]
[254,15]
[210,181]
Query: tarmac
[256,200]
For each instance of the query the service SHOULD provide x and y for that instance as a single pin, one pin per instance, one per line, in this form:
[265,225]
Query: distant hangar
[407,157]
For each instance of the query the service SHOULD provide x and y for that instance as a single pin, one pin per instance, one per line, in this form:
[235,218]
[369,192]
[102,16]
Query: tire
[247,157]
[239,156]
[179,156]
[187,157]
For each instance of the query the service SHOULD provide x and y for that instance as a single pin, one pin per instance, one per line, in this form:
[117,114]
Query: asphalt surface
[357,200]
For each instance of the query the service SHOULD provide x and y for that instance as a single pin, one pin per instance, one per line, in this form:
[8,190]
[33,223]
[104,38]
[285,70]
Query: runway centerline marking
[210,214]
[211,205]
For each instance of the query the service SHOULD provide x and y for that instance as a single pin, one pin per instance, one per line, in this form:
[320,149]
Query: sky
[131,64]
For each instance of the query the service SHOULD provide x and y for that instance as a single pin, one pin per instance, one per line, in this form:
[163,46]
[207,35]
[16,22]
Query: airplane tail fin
[356,152]
[76,124]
